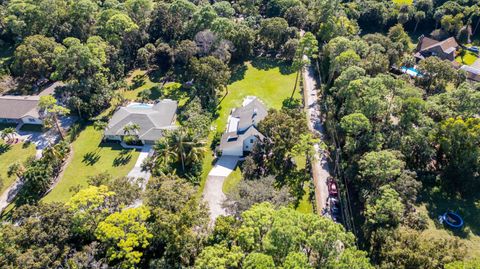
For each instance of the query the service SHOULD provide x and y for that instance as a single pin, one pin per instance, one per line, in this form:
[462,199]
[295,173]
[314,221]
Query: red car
[332,187]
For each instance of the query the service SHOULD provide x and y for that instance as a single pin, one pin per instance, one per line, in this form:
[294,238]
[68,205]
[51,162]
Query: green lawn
[403,2]
[232,180]
[435,203]
[468,59]
[10,154]
[92,157]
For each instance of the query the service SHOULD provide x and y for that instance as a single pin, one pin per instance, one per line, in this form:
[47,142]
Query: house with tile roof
[152,120]
[241,132]
[445,50]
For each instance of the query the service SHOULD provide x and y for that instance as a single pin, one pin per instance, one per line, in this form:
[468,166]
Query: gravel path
[320,168]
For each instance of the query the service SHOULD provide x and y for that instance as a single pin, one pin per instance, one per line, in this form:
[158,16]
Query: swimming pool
[140,106]
[411,71]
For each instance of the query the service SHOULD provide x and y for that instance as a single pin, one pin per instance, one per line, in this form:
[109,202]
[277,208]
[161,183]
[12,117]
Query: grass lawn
[262,78]
[232,180]
[403,2]
[435,203]
[11,154]
[468,59]
[92,157]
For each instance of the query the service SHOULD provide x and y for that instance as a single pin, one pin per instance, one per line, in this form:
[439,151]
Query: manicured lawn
[11,154]
[232,180]
[265,79]
[468,59]
[403,2]
[436,203]
[92,157]
[305,206]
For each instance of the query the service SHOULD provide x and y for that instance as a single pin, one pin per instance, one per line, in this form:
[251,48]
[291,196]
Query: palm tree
[16,169]
[8,133]
[186,147]
[131,128]
[49,104]
[164,154]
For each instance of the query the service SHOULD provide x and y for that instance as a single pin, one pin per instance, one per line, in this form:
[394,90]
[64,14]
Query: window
[251,140]
[31,120]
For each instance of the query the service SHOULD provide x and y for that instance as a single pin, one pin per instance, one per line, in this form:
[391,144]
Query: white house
[241,132]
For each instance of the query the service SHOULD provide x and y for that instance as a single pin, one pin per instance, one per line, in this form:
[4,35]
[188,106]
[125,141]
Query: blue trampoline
[452,220]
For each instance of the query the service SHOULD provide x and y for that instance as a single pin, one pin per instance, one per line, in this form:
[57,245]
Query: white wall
[248,143]
[233,151]
[113,137]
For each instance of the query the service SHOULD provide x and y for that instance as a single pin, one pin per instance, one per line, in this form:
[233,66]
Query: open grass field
[11,154]
[435,203]
[91,157]
[403,2]
[468,59]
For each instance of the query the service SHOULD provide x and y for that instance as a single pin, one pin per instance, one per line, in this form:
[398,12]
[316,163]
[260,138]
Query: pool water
[140,106]
[411,71]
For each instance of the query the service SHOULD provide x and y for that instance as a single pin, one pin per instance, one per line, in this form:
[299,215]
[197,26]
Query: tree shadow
[4,148]
[439,201]
[123,158]
[238,72]
[91,158]
[267,64]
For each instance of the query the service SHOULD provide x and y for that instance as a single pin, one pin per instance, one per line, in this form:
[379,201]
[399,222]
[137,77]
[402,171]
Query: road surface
[320,167]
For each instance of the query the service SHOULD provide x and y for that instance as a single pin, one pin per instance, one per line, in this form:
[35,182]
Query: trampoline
[452,220]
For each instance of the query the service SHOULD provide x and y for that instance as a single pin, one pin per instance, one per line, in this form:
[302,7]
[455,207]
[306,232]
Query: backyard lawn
[468,59]
[436,203]
[265,79]
[92,157]
[11,154]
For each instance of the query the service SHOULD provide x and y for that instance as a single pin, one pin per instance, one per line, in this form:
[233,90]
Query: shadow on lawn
[266,64]
[91,158]
[438,202]
[4,148]
[123,158]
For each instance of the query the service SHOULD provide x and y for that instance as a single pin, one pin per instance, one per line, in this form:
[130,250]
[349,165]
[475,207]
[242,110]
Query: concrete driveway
[213,194]
[136,171]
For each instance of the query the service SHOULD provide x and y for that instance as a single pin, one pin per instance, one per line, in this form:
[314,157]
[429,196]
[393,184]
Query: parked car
[332,187]
[474,49]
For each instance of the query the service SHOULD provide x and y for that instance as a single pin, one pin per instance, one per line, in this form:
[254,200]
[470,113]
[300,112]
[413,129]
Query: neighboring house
[472,72]
[153,120]
[242,132]
[445,50]
[23,109]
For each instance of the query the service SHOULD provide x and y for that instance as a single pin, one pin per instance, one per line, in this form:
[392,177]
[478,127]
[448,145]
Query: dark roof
[152,121]
[448,45]
[250,114]
[472,72]
[17,107]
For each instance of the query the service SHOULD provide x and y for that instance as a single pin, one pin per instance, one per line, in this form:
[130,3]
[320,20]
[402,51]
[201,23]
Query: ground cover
[91,157]
[10,154]
[403,2]
[468,59]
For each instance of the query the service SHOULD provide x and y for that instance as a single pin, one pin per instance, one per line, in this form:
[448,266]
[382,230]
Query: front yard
[91,157]
[10,154]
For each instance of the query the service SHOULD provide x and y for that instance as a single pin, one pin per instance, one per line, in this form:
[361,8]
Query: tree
[379,168]
[307,47]
[125,234]
[187,147]
[419,16]
[355,124]
[258,261]
[210,75]
[274,32]
[53,111]
[219,257]
[250,192]
[8,133]
[33,58]
[384,210]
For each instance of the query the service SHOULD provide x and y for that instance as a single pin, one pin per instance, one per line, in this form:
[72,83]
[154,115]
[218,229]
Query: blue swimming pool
[140,106]
[411,71]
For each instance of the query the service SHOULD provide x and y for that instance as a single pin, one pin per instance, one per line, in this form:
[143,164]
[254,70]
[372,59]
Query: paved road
[213,194]
[320,169]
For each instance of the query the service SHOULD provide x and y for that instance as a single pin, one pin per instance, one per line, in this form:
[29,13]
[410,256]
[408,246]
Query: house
[23,109]
[241,132]
[152,120]
[472,72]
[445,50]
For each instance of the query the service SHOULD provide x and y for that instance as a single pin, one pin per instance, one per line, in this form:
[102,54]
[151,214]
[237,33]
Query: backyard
[91,157]
[435,203]
[468,59]
[272,83]
[10,154]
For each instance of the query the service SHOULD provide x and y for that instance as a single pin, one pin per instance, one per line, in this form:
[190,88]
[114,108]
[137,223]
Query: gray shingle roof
[17,107]
[251,114]
[152,121]
[232,139]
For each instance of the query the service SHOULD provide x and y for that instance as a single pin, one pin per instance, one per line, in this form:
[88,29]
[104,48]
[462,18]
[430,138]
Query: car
[474,49]
[332,187]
